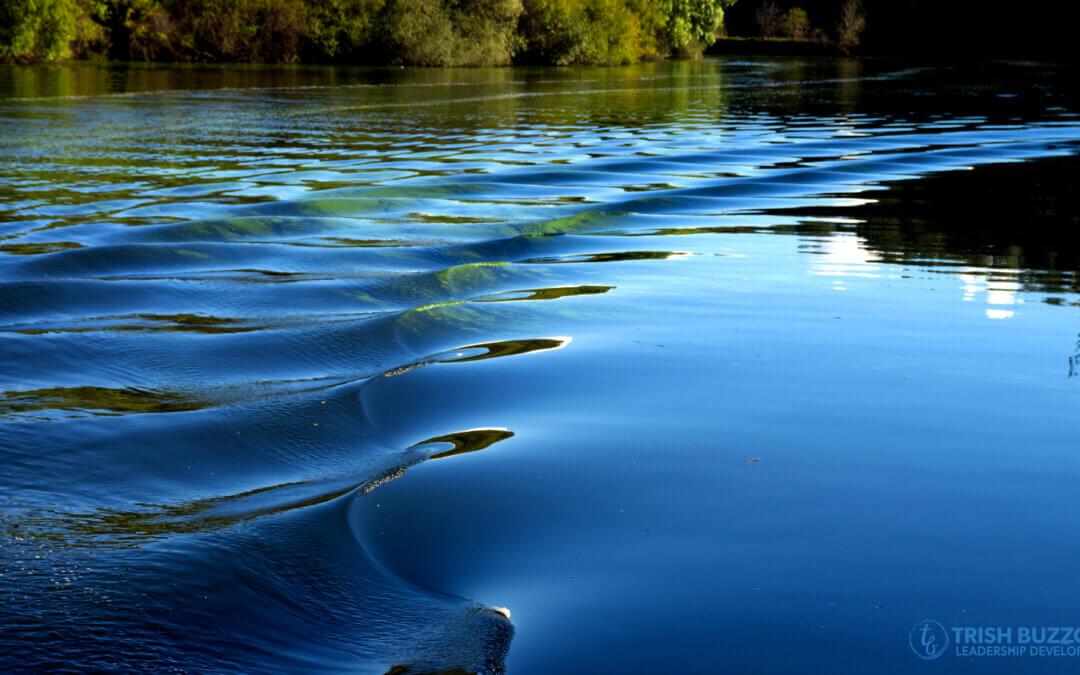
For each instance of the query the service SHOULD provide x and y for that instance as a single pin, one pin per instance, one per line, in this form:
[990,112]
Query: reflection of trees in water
[1021,219]
[632,95]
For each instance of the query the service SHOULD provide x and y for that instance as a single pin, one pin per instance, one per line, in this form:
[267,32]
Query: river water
[730,366]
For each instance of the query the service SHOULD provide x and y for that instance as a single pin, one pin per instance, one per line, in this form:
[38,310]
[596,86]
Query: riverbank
[742,46]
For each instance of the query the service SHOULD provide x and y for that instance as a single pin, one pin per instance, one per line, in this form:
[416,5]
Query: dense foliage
[418,32]
[37,29]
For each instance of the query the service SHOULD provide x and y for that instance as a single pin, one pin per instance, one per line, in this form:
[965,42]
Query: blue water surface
[745,366]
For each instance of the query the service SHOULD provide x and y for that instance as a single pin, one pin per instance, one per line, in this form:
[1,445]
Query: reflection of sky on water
[999,293]
[846,255]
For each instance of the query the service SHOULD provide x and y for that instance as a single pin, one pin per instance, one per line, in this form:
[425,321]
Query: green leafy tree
[140,30]
[652,22]
[339,28]
[32,30]
[91,36]
[486,31]
[454,33]
[420,32]
[692,24]
[564,32]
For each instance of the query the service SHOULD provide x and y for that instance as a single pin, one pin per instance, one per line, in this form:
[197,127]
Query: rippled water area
[728,366]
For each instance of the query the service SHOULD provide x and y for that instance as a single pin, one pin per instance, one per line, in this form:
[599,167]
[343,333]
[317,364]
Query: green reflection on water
[97,401]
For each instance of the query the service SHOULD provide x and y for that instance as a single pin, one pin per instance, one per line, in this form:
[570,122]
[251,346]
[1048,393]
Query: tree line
[772,21]
[407,32]
[913,29]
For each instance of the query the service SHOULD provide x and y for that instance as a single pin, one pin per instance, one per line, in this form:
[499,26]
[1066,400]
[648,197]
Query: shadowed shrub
[767,18]
[795,23]
[242,30]
[850,26]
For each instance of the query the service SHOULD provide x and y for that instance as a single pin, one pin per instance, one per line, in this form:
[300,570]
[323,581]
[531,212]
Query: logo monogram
[928,639]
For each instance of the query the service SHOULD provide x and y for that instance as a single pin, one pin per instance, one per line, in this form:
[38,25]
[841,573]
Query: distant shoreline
[743,46]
